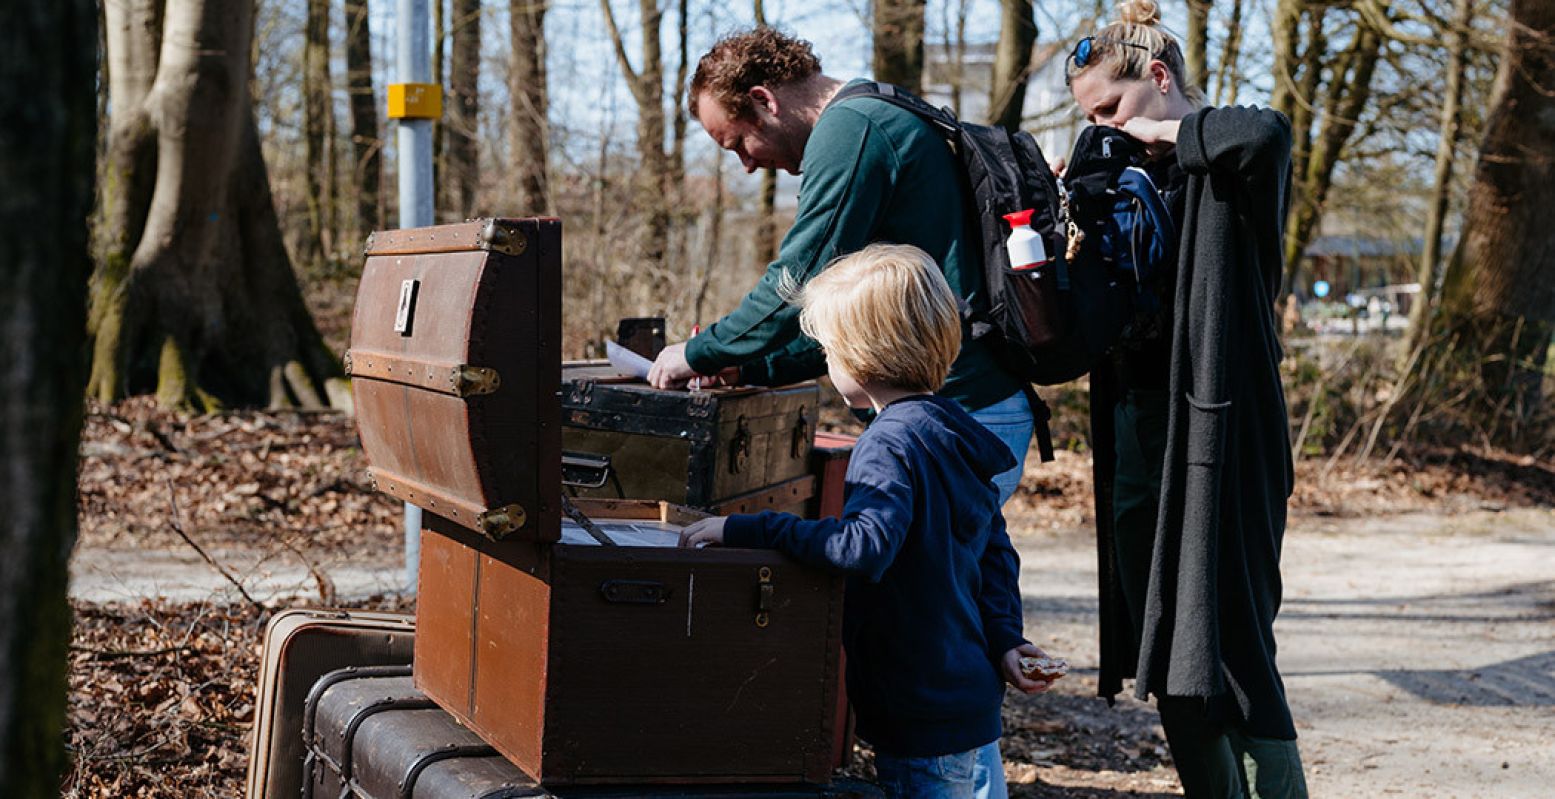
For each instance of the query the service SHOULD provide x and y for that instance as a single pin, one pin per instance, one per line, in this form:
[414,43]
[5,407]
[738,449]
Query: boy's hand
[707,532]
[1013,675]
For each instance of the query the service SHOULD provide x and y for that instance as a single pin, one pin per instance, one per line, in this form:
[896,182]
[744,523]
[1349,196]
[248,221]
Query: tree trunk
[898,40]
[652,183]
[206,311]
[531,105]
[464,102]
[318,118]
[1196,57]
[1348,93]
[367,145]
[955,48]
[1446,151]
[1012,63]
[1287,57]
[766,215]
[49,134]
[439,125]
[1497,309]
[1228,75]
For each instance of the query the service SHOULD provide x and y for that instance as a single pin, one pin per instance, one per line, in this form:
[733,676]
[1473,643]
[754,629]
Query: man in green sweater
[870,172]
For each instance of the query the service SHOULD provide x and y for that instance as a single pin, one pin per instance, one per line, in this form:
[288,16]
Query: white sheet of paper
[626,534]
[625,361]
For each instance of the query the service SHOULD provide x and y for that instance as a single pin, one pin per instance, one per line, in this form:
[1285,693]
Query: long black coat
[1214,576]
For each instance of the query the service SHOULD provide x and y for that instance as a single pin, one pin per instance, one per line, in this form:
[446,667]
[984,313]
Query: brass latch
[469,381]
[763,595]
[498,522]
[740,448]
[801,438]
[504,238]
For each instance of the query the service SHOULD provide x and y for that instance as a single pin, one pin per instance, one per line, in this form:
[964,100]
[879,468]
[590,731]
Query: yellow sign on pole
[415,101]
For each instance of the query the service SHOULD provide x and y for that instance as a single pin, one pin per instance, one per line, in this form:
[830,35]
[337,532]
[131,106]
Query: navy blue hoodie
[933,595]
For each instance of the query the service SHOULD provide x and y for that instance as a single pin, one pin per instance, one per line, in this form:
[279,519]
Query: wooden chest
[580,662]
[728,450]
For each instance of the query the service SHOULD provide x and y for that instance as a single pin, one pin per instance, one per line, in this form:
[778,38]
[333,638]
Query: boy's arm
[999,598]
[875,521]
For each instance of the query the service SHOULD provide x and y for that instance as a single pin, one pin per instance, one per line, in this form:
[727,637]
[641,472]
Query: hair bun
[1139,12]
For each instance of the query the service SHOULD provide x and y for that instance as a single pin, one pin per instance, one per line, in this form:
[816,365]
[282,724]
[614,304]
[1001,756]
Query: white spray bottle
[1025,246]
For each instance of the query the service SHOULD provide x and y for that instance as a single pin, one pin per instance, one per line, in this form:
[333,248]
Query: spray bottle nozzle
[1020,218]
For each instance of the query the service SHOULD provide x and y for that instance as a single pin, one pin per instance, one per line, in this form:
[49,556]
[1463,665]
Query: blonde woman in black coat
[1191,507]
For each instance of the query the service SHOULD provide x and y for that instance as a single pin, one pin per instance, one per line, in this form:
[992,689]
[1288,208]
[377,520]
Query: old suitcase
[589,663]
[582,663]
[373,735]
[299,646]
[454,366]
[729,450]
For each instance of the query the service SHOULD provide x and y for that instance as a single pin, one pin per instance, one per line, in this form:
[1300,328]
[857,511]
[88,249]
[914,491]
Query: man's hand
[1010,666]
[670,369]
[706,531]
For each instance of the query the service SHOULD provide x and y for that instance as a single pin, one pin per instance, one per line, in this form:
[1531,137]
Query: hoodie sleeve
[864,541]
[999,600]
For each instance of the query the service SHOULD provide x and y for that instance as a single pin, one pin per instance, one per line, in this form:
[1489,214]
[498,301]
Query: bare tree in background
[318,131]
[531,105]
[366,143]
[766,214]
[1228,76]
[1012,63]
[898,42]
[46,156]
[1497,307]
[1198,43]
[954,41]
[1324,100]
[1457,39]
[647,87]
[463,126]
[439,125]
[193,296]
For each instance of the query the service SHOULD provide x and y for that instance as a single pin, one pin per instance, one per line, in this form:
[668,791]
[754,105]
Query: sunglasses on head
[1080,56]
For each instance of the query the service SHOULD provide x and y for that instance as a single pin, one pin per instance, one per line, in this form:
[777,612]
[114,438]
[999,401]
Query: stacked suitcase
[586,668]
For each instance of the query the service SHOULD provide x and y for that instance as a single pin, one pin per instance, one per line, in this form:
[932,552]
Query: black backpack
[1052,324]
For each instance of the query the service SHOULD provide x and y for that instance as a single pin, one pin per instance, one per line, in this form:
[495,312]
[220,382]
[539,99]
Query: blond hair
[884,315]
[1124,49]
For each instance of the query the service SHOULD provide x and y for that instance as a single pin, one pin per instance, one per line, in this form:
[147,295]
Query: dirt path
[1418,650]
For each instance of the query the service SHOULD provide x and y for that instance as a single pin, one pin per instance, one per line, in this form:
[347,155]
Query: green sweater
[872,172]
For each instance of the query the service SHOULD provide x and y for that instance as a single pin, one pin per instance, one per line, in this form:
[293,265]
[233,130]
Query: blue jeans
[1009,419]
[973,774]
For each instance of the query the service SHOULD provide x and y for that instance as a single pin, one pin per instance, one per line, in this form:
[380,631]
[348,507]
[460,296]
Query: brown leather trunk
[829,464]
[728,450]
[633,664]
[580,663]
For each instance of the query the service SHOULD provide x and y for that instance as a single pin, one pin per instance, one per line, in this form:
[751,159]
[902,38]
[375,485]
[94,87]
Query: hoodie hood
[960,445]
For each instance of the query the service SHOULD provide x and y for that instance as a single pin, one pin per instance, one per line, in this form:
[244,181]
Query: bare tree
[367,146]
[1228,75]
[898,42]
[463,126]
[1446,150]
[766,214]
[1497,308]
[46,153]
[318,132]
[1012,63]
[530,94]
[194,296]
[1198,43]
[647,87]
[439,125]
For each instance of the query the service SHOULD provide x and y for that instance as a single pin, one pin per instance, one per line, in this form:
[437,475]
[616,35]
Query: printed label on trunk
[407,307]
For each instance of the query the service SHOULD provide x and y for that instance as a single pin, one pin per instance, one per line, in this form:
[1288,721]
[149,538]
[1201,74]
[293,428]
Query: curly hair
[761,56]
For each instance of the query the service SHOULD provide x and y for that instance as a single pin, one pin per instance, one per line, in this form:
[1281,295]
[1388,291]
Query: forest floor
[1415,637]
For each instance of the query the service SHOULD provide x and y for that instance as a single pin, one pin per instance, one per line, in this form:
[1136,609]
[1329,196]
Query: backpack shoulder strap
[942,119]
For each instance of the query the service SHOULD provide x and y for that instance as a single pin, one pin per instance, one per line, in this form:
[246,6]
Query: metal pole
[415,174]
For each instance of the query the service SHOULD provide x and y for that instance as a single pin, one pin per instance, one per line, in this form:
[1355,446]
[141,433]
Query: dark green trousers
[1214,760]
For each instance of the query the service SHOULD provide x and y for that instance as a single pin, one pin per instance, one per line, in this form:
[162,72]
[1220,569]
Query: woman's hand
[1157,135]
[709,532]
